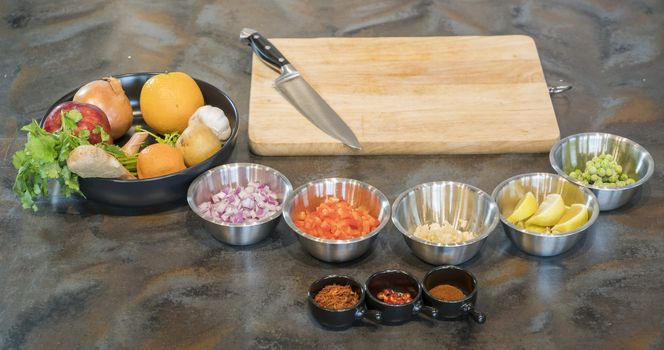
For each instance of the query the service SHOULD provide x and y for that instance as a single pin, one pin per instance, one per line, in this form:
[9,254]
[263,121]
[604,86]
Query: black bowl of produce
[337,302]
[612,167]
[452,291]
[162,131]
[396,295]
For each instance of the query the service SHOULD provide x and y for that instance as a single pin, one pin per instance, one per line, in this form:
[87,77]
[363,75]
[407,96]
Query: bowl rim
[588,192]
[476,190]
[199,178]
[639,182]
[384,205]
[447,268]
[360,302]
[234,130]
[374,298]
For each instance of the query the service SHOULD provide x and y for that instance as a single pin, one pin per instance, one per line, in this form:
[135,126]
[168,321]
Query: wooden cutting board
[424,95]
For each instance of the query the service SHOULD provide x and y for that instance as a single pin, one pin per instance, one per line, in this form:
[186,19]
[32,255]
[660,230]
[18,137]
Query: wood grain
[425,95]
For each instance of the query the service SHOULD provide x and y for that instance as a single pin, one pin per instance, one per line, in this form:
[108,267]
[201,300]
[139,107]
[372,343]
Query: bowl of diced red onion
[240,203]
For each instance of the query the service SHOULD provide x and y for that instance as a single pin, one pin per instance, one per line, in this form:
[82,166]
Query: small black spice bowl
[399,281]
[459,278]
[342,318]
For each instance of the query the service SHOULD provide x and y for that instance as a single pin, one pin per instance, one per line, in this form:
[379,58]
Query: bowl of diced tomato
[336,219]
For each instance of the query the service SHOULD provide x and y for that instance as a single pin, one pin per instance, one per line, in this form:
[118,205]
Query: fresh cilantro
[70,119]
[128,161]
[98,130]
[44,158]
[168,139]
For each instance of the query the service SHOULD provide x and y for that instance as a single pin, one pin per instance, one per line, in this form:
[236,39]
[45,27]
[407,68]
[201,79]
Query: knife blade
[298,92]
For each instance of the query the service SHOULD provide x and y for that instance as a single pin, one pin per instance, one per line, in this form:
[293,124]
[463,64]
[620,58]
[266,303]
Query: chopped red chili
[390,296]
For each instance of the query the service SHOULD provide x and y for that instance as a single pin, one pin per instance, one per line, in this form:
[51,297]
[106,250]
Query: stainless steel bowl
[308,196]
[574,151]
[508,193]
[238,174]
[465,207]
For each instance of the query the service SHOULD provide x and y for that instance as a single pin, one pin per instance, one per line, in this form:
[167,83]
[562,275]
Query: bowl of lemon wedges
[544,214]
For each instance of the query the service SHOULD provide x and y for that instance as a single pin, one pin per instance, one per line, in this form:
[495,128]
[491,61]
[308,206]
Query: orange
[168,100]
[158,160]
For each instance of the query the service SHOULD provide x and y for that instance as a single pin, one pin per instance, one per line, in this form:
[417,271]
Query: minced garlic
[442,233]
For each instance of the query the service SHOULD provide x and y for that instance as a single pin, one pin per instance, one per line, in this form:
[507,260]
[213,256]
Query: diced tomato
[336,219]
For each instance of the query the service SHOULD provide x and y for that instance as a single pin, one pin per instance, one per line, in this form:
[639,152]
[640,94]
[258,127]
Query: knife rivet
[256,36]
[268,47]
[281,59]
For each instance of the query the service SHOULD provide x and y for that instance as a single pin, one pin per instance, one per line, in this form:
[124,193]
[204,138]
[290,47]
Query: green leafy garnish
[44,158]
[128,161]
[104,135]
[168,139]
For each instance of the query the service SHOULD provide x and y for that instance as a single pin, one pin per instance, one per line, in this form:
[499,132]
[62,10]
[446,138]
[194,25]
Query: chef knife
[298,92]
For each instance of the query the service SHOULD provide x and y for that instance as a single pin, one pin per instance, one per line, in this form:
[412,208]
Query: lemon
[575,217]
[549,212]
[538,229]
[526,207]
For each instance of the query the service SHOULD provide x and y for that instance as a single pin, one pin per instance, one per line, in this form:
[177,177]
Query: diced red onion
[239,205]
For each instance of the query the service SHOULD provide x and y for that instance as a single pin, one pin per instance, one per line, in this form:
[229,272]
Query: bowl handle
[425,309]
[373,315]
[478,317]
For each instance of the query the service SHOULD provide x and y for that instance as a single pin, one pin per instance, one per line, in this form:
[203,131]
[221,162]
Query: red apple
[92,116]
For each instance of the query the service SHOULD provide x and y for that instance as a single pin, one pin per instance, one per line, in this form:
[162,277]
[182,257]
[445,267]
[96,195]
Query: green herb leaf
[98,130]
[70,119]
[44,157]
[84,133]
[168,139]
[41,148]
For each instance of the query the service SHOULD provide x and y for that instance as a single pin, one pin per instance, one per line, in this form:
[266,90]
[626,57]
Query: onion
[108,95]
[240,205]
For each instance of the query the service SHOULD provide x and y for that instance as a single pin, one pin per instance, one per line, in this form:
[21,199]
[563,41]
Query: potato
[197,143]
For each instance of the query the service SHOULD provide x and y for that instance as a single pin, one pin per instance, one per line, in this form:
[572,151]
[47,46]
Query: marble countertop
[75,278]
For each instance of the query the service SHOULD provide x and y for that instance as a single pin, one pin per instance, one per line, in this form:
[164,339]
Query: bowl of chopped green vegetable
[612,167]
[37,169]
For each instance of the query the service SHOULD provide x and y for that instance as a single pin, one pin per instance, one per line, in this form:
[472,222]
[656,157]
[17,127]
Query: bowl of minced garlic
[445,222]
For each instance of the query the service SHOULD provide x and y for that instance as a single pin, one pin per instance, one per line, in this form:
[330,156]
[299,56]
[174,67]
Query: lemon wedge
[574,217]
[526,207]
[538,229]
[549,212]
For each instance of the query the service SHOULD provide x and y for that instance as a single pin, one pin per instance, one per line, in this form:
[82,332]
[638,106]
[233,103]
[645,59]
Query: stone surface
[75,278]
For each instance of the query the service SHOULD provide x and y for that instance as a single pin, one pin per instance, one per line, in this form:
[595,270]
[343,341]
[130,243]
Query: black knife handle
[263,48]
